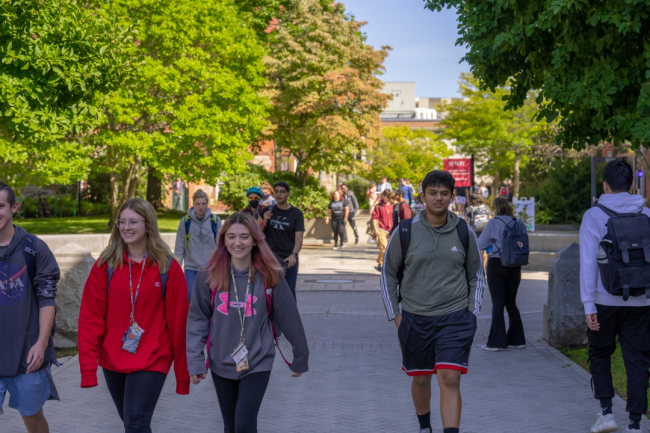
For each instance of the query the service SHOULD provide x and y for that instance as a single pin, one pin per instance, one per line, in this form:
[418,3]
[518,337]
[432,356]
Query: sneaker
[356,241]
[335,247]
[378,268]
[629,430]
[490,349]
[343,245]
[521,346]
[605,424]
[426,430]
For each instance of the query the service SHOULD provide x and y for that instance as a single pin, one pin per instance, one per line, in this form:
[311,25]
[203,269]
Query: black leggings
[240,400]
[135,396]
[504,284]
[338,227]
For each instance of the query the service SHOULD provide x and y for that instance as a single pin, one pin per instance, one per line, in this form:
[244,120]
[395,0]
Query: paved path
[355,383]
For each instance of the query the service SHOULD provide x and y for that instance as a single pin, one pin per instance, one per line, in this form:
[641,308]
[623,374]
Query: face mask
[254,203]
[265,196]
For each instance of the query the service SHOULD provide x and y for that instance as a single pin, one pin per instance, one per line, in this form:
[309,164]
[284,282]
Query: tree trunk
[515,186]
[135,178]
[496,184]
[154,188]
[644,165]
[114,196]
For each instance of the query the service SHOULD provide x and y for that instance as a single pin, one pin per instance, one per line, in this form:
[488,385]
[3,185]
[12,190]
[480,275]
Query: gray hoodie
[20,301]
[201,243]
[440,277]
[226,327]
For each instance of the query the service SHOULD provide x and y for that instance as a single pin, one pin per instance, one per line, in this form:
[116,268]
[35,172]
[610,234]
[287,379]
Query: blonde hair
[200,194]
[157,250]
[502,206]
[266,187]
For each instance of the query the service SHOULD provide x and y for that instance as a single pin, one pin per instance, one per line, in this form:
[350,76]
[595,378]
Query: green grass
[167,222]
[62,352]
[619,377]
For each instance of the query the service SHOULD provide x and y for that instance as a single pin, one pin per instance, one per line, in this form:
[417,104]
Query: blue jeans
[290,274]
[190,276]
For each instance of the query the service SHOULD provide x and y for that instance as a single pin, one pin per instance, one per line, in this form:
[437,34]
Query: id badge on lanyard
[240,354]
[133,334]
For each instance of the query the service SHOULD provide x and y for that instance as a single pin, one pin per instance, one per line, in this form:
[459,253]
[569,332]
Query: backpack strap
[109,274]
[404,242]
[188,223]
[213,224]
[29,254]
[463,234]
[269,302]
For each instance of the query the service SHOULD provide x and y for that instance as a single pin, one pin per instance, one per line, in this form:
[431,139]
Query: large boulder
[75,263]
[566,315]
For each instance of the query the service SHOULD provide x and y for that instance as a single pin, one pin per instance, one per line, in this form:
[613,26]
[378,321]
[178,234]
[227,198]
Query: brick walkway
[355,383]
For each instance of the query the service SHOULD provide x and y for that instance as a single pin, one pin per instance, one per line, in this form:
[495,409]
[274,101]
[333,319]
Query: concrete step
[539,261]
[551,242]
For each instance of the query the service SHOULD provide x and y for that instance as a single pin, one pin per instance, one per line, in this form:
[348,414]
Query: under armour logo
[454,248]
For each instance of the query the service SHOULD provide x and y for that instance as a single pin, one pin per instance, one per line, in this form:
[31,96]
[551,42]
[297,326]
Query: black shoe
[356,241]
[378,268]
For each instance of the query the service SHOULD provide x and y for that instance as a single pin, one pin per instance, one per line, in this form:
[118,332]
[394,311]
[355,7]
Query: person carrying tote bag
[237,298]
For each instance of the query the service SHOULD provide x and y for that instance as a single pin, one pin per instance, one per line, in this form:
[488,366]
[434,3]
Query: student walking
[371,192]
[133,317]
[29,276]
[235,303]
[254,196]
[613,288]
[338,212]
[196,237]
[384,185]
[353,203]
[503,281]
[284,229]
[440,291]
[382,224]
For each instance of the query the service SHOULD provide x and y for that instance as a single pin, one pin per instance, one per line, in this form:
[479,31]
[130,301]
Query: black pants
[135,396]
[630,324]
[338,227]
[504,284]
[240,400]
[353,224]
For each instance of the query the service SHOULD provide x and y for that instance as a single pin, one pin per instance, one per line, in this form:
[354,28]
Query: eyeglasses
[130,223]
[252,198]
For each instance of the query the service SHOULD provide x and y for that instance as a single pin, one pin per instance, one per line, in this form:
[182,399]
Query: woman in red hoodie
[133,317]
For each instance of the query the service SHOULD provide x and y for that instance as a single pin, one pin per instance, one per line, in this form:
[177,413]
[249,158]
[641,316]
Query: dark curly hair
[439,178]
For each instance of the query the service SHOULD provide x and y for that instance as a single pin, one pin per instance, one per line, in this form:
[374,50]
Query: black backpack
[29,255]
[405,242]
[624,254]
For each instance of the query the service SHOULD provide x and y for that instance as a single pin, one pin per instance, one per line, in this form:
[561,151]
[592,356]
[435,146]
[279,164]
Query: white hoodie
[592,231]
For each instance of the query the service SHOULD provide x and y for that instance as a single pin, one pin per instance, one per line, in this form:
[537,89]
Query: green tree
[56,58]
[405,152]
[195,105]
[588,59]
[500,140]
[325,95]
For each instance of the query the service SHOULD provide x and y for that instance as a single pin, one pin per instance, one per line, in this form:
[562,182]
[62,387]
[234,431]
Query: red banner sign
[460,169]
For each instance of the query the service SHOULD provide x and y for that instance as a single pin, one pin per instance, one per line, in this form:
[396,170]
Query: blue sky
[423,43]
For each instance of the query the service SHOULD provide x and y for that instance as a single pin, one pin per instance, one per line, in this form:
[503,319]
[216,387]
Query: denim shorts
[27,392]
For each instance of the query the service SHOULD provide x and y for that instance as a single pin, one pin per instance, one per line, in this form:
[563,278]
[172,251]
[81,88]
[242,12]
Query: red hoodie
[102,323]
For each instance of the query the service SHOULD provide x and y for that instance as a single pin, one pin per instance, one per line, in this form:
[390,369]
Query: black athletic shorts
[430,343]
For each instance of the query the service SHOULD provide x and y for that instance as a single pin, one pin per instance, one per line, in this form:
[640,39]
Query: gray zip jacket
[226,327]
[201,243]
[493,233]
[440,278]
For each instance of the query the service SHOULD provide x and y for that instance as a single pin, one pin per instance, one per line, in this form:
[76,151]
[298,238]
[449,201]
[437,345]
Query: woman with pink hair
[237,299]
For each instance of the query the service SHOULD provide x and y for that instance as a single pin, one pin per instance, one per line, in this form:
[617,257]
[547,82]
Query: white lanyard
[242,318]
[137,290]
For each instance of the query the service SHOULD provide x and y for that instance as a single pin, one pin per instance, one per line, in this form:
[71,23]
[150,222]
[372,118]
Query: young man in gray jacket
[441,291]
[196,238]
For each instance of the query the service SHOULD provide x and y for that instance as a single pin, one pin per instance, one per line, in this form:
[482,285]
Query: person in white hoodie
[196,238]
[608,316]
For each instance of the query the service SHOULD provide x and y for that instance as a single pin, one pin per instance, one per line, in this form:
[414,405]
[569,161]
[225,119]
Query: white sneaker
[605,424]
[521,346]
[629,430]
[490,349]
[425,430]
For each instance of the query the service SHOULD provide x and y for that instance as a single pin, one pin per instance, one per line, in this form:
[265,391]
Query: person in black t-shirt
[353,203]
[284,228]
[338,211]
